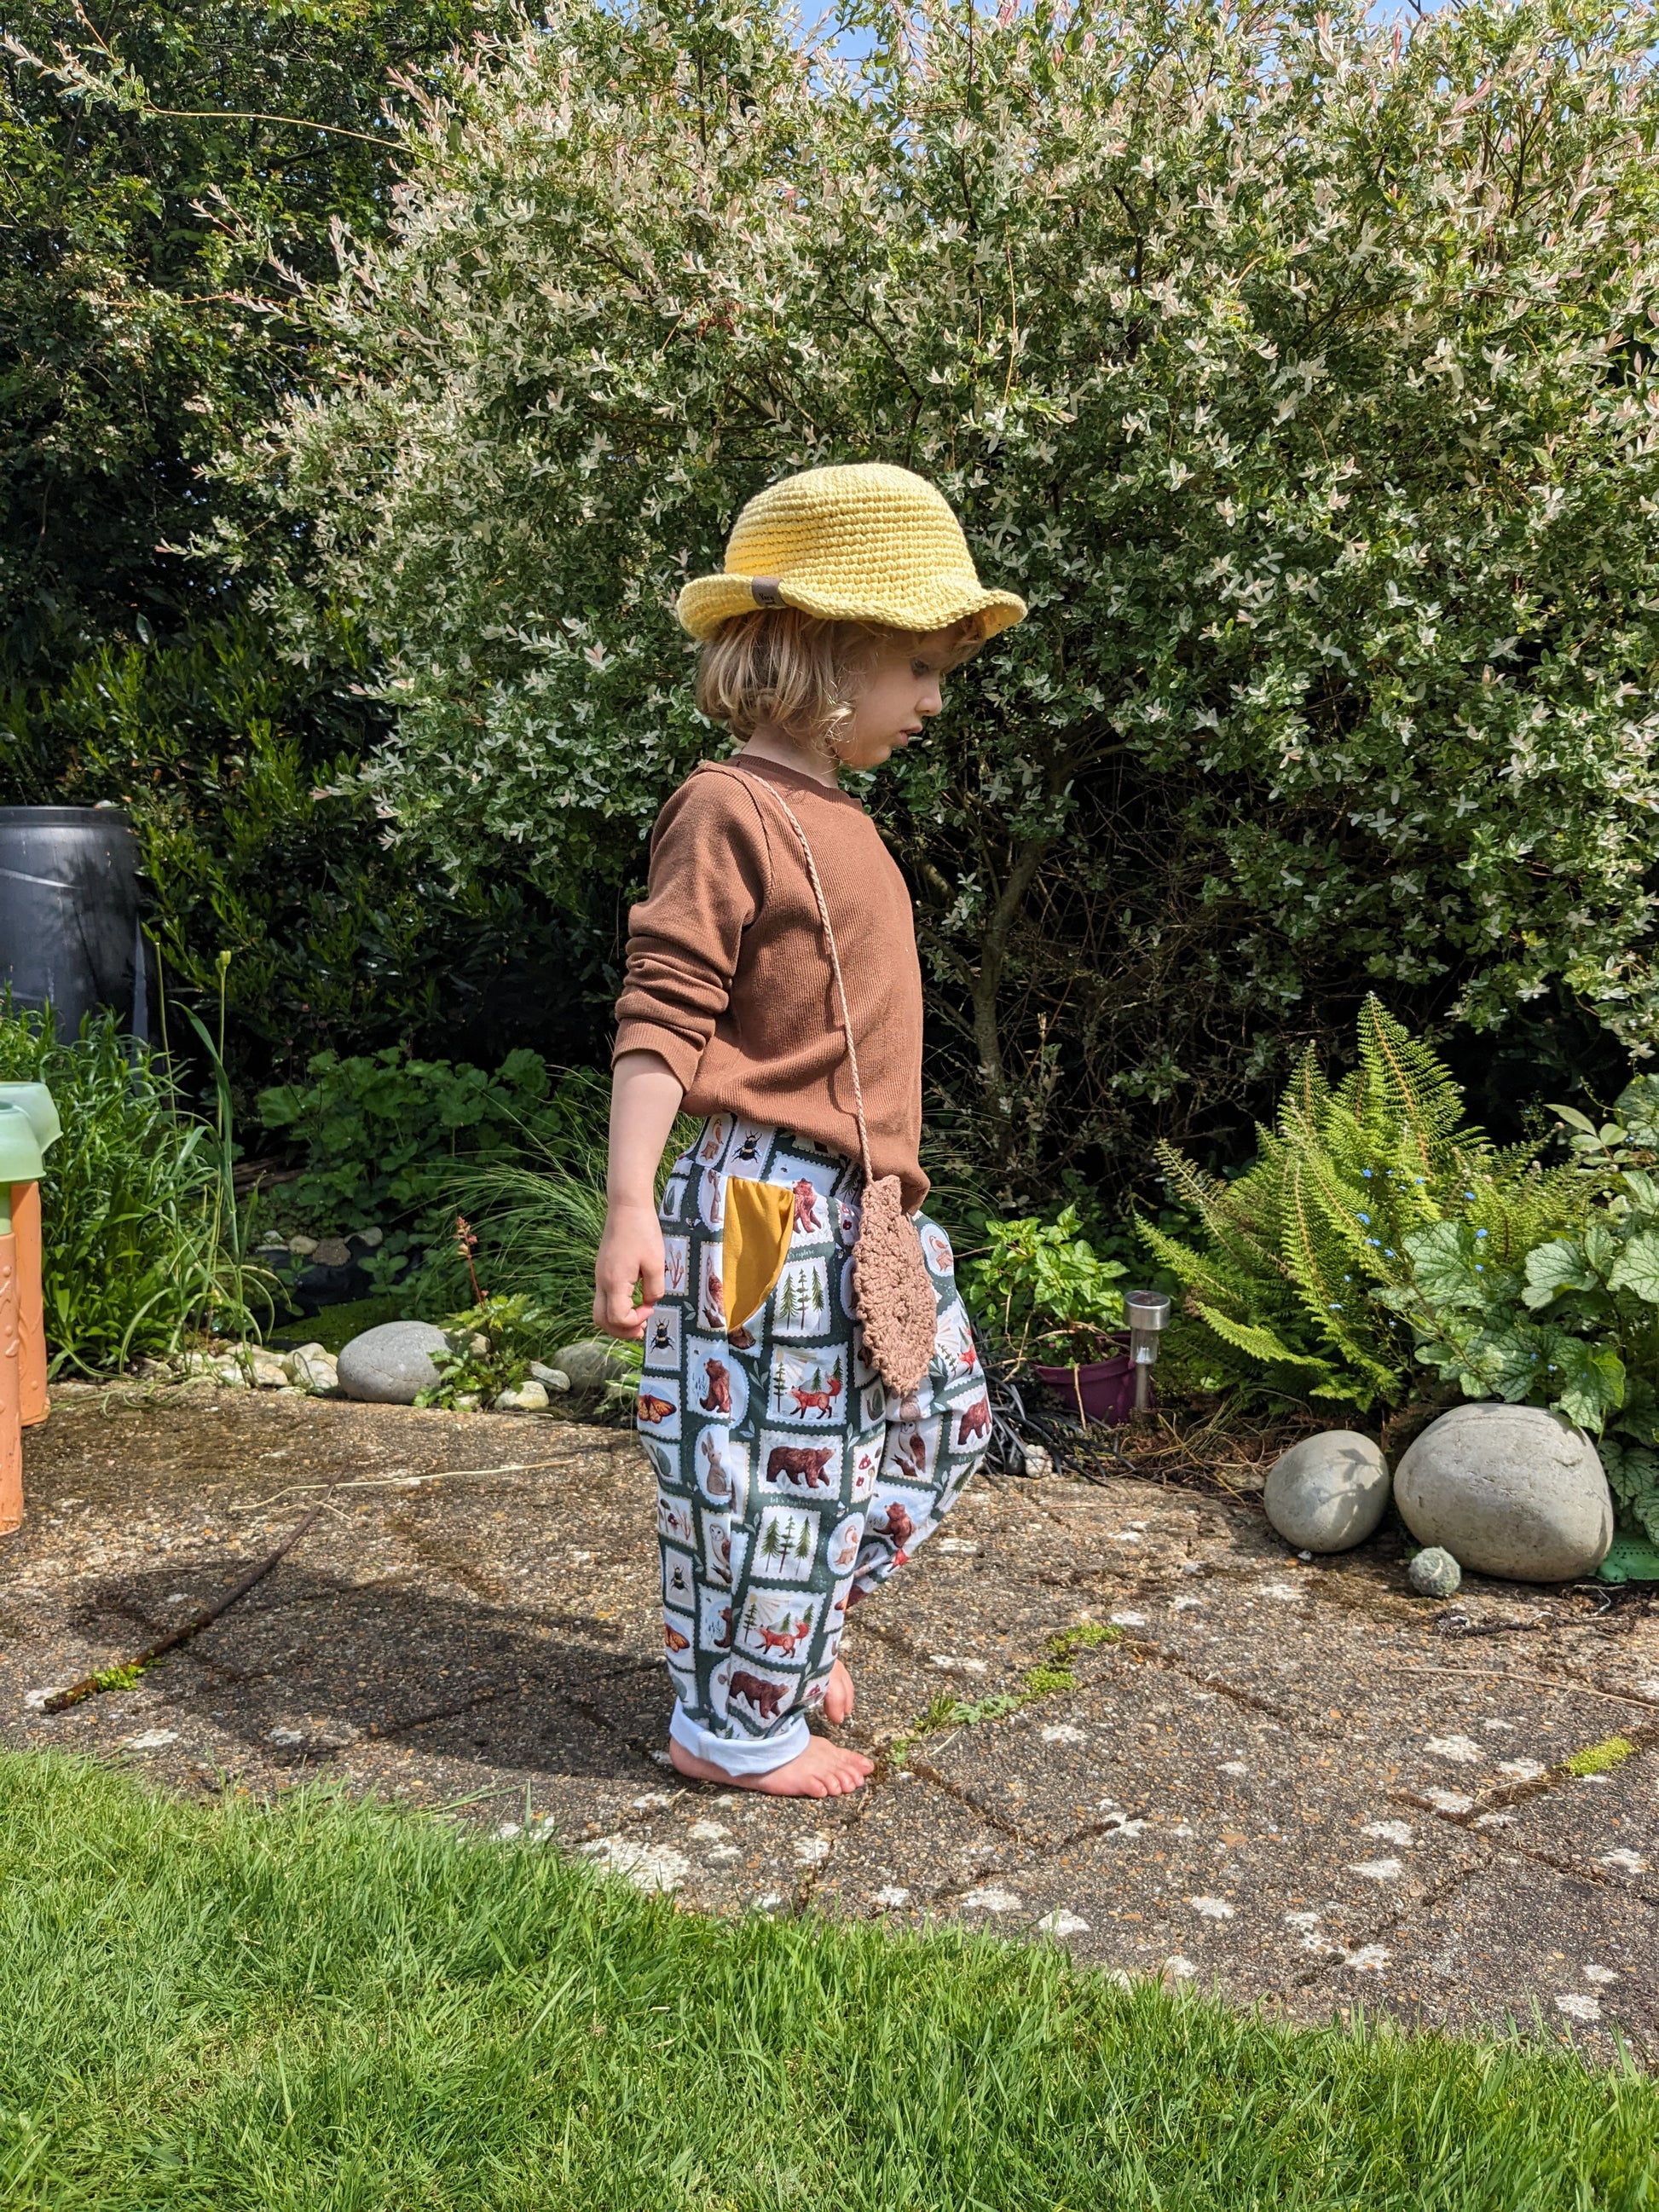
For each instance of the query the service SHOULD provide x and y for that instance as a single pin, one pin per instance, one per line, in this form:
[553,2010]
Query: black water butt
[69,933]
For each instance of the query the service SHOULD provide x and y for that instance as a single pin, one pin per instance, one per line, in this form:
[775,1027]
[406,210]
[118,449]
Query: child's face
[900,692]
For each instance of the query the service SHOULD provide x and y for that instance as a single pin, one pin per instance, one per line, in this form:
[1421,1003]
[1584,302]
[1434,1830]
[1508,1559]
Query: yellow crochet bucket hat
[867,543]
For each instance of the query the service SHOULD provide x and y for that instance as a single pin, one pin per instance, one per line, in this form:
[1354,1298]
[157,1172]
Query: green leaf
[1555,1267]
[1594,1376]
[1513,1361]
[1637,1108]
[1445,1266]
[1637,1267]
[1260,1343]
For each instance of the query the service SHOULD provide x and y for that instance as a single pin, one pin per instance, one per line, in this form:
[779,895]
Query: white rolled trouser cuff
[740,1754]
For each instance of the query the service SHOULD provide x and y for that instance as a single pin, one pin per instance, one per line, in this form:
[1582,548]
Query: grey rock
[551,1378]
[530,1397]
[387,1366]
[305,1246]
[1510,1491]
[1434,1573]
[311,1368]
[332,1252]
[1329,1492]
[370,1239]
[590,1365]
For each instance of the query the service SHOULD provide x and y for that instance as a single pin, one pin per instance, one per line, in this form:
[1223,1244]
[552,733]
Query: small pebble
[1434,1573]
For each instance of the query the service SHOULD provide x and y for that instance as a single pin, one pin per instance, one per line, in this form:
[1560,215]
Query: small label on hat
[767,591]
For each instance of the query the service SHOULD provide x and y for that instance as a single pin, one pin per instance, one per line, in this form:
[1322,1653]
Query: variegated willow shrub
[1298,371]
[1381,1250]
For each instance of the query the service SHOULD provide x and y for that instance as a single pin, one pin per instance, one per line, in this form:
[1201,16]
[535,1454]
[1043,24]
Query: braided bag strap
[892,1289]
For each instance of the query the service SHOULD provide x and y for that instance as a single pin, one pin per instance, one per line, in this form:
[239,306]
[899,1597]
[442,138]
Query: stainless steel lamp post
[1147,1311]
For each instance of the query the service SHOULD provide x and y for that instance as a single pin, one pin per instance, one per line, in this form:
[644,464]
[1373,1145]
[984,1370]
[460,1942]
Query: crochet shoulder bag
[893,1290]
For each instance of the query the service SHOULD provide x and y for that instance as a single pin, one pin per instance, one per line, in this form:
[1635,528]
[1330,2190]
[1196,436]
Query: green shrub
[1570,1320]
[382,1133]
[1044,1292]
[143,1241]
[240,772]
[491,1345]
[1288,1284]
[1299,372]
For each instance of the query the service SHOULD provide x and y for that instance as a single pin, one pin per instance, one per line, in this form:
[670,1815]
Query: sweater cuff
[683,1056]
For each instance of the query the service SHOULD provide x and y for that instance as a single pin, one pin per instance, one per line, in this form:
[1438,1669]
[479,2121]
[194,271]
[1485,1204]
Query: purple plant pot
[1102,1390]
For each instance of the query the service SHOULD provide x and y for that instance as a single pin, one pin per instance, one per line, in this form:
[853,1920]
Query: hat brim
[707,601]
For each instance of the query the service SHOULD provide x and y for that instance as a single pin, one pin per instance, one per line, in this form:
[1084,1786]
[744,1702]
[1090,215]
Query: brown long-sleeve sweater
[729,978]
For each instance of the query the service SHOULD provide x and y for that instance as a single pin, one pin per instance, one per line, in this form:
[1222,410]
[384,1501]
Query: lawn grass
[331,2007]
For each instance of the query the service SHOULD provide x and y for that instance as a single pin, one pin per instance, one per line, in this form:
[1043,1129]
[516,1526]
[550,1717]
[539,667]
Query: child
[792,1481]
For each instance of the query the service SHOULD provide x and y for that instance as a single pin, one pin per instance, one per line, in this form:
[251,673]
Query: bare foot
[838,1696]
[823,1770]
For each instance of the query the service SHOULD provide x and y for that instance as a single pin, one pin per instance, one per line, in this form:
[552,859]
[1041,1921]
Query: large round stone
[387,1366]
[590,1365]
[1508,1490]
[1329,1492]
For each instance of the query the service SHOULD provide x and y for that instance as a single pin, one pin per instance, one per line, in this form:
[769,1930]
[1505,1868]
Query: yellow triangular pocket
[760,1220]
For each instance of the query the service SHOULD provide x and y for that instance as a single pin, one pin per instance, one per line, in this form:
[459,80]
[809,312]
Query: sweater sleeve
[710,872]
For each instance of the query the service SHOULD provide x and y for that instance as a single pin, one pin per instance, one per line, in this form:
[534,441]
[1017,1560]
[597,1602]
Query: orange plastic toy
[28,1124]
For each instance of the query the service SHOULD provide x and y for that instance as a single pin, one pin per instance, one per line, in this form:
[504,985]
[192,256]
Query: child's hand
[630,1255]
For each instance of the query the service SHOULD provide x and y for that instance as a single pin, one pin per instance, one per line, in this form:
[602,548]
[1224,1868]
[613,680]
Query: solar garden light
[1146,1312]
[21,1164]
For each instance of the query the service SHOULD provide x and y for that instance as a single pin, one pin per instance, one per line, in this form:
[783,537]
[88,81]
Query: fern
[1291,1282]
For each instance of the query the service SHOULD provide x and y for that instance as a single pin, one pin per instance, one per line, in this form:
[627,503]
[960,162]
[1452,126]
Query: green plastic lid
[38,1103]
[20,1148]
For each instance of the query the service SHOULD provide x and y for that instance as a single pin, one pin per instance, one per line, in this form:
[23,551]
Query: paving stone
[912,1837]
[1604,1826]
[1578,1963]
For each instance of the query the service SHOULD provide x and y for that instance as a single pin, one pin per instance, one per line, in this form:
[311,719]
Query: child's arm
[645,1097]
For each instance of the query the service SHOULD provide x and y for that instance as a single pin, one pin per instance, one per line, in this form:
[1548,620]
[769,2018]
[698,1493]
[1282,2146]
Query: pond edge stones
[1511,1491]
[1329,1492]
[388,1365]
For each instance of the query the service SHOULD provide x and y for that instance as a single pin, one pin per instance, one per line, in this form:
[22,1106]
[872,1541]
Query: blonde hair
[800,672]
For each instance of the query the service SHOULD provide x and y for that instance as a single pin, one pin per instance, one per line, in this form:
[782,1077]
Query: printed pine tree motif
[780,1383]
[817,1295]
[789,1304]
[773,1542]
[804,1543]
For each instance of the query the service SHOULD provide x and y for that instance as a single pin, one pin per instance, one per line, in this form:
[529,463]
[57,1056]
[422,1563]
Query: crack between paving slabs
[1327,1964]
[1524,1793]
[1584,1872]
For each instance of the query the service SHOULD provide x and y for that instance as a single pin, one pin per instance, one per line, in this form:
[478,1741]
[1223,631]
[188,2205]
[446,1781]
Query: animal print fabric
[786,1473]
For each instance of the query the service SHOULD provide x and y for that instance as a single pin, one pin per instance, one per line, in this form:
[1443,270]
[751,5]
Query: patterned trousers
[787,1474]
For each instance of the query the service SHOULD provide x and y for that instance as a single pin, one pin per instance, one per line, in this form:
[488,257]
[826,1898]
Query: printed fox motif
[783,1640]
[765,1698]
[800,1464]
[976,1421]
[807,1207]
[653,1410]
[816,1401]
[717,1391]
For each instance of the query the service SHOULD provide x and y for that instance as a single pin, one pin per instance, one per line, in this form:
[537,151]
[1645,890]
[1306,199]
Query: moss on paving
[336,2008]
